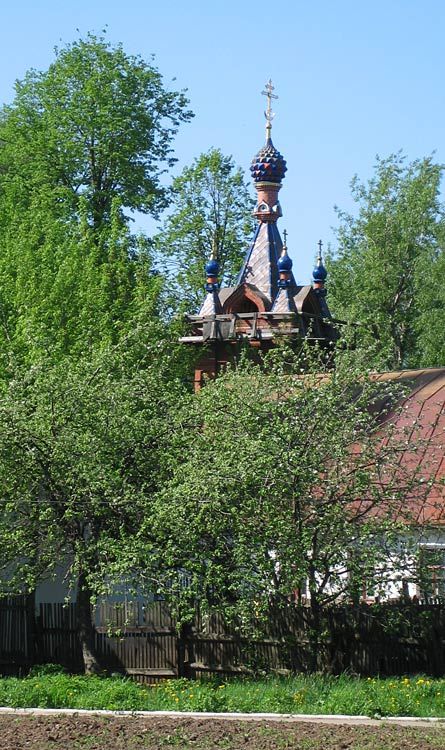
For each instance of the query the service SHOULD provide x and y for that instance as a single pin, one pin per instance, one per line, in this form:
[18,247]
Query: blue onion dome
[268,165]
[284,262]
[319,274]
[212,267]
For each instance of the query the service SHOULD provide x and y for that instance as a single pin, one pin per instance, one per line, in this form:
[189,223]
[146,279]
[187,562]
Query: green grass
[312,694]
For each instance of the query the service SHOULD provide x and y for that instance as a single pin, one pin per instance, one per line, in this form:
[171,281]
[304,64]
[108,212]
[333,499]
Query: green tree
[282,484]
[82,145]
[63,292]
[381,274]
[98,122]
[83,449]
[211,204]
[430,324]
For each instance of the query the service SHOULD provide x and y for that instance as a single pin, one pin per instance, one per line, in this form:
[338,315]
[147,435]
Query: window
[432,571]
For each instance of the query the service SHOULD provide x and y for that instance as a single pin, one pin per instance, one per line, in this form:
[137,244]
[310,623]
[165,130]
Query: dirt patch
[98,733]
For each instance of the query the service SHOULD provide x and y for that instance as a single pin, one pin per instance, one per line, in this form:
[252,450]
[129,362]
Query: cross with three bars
[269,115]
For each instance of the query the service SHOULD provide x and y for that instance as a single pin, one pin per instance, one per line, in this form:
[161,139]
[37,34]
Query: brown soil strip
[135,733]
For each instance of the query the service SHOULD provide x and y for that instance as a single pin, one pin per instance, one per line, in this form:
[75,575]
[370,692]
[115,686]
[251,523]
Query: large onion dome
[268,165]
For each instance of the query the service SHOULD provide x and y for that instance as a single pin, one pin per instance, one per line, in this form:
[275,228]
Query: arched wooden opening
[246,299]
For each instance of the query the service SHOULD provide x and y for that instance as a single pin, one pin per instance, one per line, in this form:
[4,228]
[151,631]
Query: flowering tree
[286,487]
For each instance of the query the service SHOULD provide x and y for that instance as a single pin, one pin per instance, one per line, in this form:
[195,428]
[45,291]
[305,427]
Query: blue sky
[355,79]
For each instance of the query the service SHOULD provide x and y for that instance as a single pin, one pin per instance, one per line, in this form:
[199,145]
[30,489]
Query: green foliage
[398,696]
[97,122]
[268,493]
[66,294]
[42,670]
[65,691]
[430,325]
[82,145]
[83,448]
[88,374]
[386,272]
[211,204]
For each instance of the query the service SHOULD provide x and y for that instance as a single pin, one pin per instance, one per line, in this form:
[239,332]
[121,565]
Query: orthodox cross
[285,237]
[269,115]
[320,245]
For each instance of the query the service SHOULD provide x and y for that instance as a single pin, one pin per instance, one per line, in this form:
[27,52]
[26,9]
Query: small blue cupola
[284,265]
[212,270]
[319,274]
[284,301]
[212,304]
[284,262]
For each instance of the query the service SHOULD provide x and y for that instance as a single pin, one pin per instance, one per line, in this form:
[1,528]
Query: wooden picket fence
[16,633]
[142,640]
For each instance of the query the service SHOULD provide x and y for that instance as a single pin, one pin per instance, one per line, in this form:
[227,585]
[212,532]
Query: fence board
[141,639]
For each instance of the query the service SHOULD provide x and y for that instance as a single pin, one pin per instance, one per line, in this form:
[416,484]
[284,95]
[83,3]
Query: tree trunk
[85,628]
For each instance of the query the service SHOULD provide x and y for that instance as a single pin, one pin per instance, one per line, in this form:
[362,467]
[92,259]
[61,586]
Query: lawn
[306,694]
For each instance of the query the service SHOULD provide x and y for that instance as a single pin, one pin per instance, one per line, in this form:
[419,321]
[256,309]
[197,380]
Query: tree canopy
[87,365]
[277,487]
[211,206]
[384,274]
[82,454]
[82,145]
[98,122]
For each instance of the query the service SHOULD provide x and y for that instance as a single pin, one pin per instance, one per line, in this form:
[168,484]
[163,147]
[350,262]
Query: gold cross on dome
[269,115]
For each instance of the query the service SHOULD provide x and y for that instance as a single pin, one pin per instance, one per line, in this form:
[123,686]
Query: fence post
[30,616]
[184,649]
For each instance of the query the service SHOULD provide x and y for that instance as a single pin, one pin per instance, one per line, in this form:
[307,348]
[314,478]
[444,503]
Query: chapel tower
[266,301]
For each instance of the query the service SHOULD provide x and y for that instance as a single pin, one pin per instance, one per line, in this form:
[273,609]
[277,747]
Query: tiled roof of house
[422,420]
